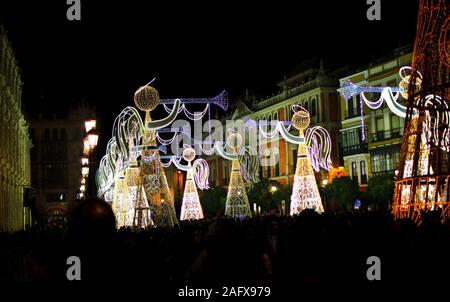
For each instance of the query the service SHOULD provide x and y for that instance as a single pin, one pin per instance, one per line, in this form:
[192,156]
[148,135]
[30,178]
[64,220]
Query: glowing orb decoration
[189,154]
[146,98]
[301,120]
[234,140]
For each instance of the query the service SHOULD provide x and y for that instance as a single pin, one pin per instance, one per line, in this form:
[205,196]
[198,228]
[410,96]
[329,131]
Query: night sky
[193,48]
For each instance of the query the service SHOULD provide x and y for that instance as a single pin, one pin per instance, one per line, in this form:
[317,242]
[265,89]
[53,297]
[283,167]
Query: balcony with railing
[384,173]
[355,149]
[385,135]
[287,94]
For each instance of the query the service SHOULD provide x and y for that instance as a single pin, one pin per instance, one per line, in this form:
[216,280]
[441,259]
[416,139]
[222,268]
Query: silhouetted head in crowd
[92,221]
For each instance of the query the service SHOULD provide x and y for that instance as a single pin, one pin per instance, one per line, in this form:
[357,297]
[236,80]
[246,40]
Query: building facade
[56,159]
[371,139]
[15,143]
[310,86]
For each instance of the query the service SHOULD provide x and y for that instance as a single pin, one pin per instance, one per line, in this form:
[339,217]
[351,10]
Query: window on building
[313,107]
[225,171]
[55,134]
[55,175]
[288,113]
[63,134]
[352,137]
[363,172]
[354,171]
[275,116]
[385,163]
[269,171]
[47,134]
[356,105]
[55,197]
[267,164]
[380,130]
[34,153]
[276,162]
[35,175]
[395,125]
[396,159]
[306,106]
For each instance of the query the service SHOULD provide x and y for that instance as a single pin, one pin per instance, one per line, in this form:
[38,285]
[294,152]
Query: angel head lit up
[188,154]
[301,119]
[234,139]
[146,98]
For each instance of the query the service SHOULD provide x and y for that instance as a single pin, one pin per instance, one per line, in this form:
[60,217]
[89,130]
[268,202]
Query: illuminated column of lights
[191,208]
[305,194]
[237,205]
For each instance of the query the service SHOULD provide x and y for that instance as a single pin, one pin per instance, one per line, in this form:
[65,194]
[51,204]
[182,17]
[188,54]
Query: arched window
[306,106]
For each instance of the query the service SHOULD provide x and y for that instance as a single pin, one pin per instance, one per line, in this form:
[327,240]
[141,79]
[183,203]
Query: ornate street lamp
[90,142]
[92,136]
[85,171]
[84,161]
[90,124]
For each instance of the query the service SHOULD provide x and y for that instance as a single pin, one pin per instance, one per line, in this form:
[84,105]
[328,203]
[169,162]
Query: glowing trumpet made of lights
[220,100]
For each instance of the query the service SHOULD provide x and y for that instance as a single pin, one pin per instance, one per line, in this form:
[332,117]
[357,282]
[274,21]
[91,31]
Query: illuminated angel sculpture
[197,175]
[131,174]
[314,150]
[305,194]
[244,165]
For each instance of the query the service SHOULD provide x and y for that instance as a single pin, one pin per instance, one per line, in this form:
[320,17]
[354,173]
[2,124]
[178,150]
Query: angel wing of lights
[319,147]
